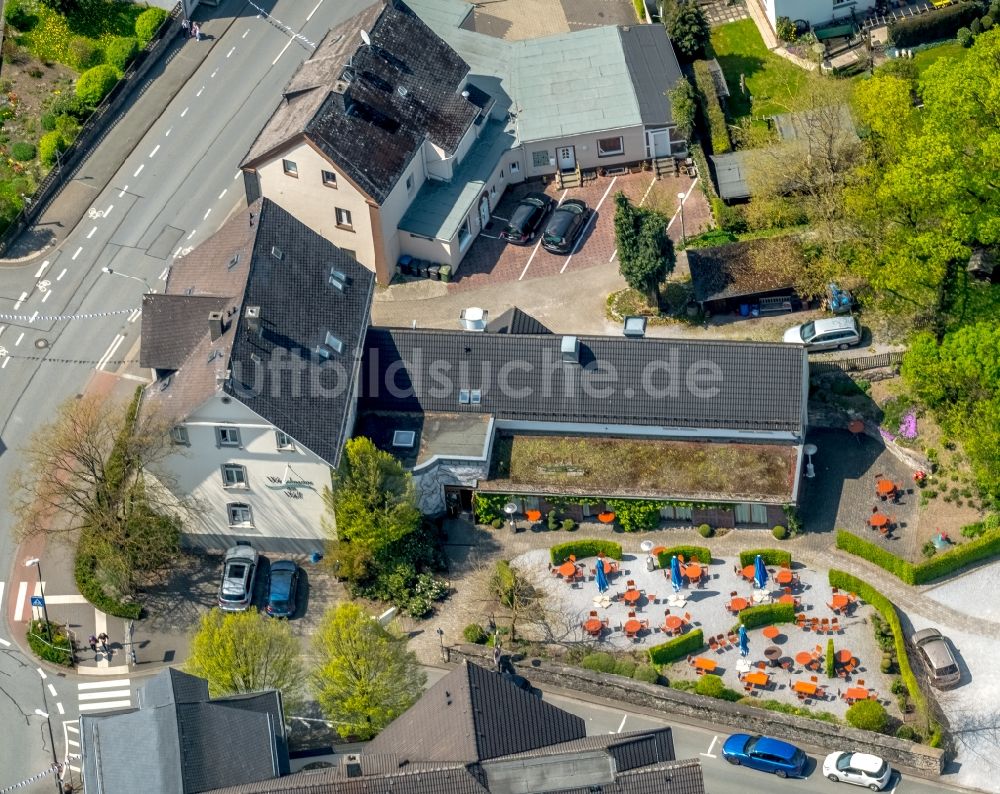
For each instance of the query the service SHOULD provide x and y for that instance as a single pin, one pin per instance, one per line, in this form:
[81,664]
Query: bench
[778,305]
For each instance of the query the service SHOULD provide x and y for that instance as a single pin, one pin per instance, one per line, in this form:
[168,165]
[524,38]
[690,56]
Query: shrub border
[60,654]
[765,615]
[672,650]
[769,556]
[703,553]
[90,588]
[584,547]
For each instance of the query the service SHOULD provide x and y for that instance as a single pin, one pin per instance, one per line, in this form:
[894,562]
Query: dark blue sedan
[765,754]
[281,589]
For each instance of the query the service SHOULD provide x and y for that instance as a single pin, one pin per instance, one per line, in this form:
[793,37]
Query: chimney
[215,325]
[352,765]
[252,316]
[569,350]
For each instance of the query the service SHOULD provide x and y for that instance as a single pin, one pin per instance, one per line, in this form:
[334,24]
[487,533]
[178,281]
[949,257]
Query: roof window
[277,253]
[463,396]
[404,438]
[476,396]
[235,260]
[332,342]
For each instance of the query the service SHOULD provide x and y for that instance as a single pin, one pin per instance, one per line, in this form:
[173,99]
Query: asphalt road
[176,188]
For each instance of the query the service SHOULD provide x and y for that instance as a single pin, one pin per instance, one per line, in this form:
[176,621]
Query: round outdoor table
[771,632]
[748,572]
[804,658]
[844,656]
[784,576]
[593,626]
[787,599]
[567,569]
[692,572]
[738,604]
[632,626]
[773,654]
[672,623]
[606,518]
[885,487]
[879,520]
[631,596]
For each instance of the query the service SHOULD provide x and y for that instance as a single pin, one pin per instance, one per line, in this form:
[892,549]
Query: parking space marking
[678,211]
[538,244]
[590,220]
[622,724]
[139,170]
[709,754]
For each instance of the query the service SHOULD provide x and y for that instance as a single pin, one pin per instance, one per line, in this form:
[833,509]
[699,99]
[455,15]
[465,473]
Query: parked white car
[827,333]
[859,769]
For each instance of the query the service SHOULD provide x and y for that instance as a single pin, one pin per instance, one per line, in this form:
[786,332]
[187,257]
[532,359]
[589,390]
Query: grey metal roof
[652,65]
[473,714]
[439,208]
[731,175]
[515,321]
[759,388]
[572,84]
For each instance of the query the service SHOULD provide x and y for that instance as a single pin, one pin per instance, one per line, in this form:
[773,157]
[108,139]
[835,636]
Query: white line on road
[213,74]
[106,705]
[33,317]
[152,154]
[200,90]
[289,44]
[20,300]
[122,191]
[2,329]
[184,112]
[245,34]
[107,212]
[223,193]
[77,252]
[139,170]
[167,133]
[646,194]
[590,220]
[207,213]
[19,338]
[231,52]
[63,273]
[45,297]
[92,233]
[238,174]
[314,10]
[41,672]
[537,245]
[678,212]
[52,691]
[110,351]
[709,753]
[61,710]
[4,643]
[115,693]
[6,361]
[192,234]
[622,725]
[134,315]
[117,682]
[166,271]
[41,270]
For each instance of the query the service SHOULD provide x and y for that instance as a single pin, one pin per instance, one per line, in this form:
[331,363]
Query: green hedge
[677,648]
[703,554]
[59,651]
[943,24]
[583,548]
[769,556]
[96,83]
[985,546]
[766,614]
[148,23]
[86,582]
[712,114]
[489,507]
[885,607]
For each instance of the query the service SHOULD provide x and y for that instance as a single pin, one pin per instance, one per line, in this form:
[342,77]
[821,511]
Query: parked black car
[282,584]
[527,218]
[565,226]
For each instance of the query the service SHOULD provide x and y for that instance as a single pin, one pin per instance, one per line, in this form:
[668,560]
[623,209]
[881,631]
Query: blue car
[765,754]
[281,589]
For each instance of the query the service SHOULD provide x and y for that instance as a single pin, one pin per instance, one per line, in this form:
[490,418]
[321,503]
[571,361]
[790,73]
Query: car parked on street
[527,218]
[828,333]
[765,754]
[239,571]
[935,652]
[282,585]
[564,227]
[858,769]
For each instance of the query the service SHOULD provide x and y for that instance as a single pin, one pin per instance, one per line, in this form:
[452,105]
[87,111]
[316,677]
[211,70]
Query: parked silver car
[239,571]
[828,333]
[937,656]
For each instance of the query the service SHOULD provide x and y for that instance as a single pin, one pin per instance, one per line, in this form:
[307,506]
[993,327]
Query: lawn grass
[773,82]
[608,466]
[947,49]
[96,20]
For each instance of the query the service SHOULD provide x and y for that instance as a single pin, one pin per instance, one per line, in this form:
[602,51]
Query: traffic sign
[37,601]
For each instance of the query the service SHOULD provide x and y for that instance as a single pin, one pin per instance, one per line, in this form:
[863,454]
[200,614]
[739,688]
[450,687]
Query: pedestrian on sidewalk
[103,638]
[93,643]
[185,28]
[196,30]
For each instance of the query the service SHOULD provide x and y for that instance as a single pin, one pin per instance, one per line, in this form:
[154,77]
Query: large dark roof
[473,714]
[754,386]
[370,108]
[514,321]
[652,65]
[180,742]
[743,269]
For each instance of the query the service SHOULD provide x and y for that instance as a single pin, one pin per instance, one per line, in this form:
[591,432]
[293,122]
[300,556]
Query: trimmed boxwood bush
[779,532]
[49,144]
[59,651]
[84,54]
[95,84]
[23,151]
[706,531]
[702,553]
[147,23]
[120,52]
[711,109]
[625,667]
[599,662]
[475,634]
[766,614]
[769,556]
[90,588]
[942,24]
[712,686]
[677,648]
[647,673]
[583,548]
[831,667]
[568,525]
[867,715]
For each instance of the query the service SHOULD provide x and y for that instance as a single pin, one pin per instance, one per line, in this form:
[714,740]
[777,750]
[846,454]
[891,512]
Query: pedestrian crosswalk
[104,695]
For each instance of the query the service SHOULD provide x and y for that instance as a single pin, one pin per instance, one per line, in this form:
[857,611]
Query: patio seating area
[641,608]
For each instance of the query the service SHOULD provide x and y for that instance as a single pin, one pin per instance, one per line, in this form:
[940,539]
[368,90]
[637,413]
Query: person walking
[93,643]
[196,31]
[103,639]
[185,28]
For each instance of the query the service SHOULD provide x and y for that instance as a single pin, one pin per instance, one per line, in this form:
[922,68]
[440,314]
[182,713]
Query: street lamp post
[56,766]
[112,272]
[680,199]
[41,591]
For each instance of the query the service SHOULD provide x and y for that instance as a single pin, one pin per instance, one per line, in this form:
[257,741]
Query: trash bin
[434,272]
[404,264]
[650,563]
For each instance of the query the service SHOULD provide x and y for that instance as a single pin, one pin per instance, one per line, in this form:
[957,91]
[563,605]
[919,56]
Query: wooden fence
[856,364]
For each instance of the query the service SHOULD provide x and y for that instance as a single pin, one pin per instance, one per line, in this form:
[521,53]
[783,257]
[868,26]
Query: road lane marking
[167,133]
[41,270]
[184,112]
[207,213]
[45,297]
[200,90]
[223,193]
[106,705]
[192,233]
[117,682]
[2,329]
[246,33]
[115,344]
[622,725]
[289,44]
[139,170]
[41,672]
[33,317]
[114,693]
[6,360]
[314,10]
[679,206]
[52,691]
[63,273]
[77,252]
[710,747]
[122,191]
[237,175]
[134,315]
[590,221]
[20,300]
[107,212]
[231,51]
[152,154]
[19,338]
[166,271]
[61,710]
[92,233]
[213,74]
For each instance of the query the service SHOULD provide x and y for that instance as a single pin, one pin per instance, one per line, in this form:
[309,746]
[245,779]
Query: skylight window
[235,260]
[332,342]
[404,438]
[276,252]
[463,396]
[476,396]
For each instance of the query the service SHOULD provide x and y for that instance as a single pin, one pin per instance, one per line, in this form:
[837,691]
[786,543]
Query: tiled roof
[407,779]
[473,714]
[515,321]
[742,269]
[656,382]
[370,108]
[653,67]
[174,325]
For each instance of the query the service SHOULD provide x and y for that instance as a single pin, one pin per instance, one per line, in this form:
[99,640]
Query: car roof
[825,324]
[536,198]
[284,565]
[242,552]
[784,750]
[937,650]
[576,204]
[866,762]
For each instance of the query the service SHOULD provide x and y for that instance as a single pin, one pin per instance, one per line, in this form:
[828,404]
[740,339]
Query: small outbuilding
[750,278]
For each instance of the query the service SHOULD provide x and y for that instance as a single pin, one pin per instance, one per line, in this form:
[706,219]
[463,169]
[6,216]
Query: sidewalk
[178,63]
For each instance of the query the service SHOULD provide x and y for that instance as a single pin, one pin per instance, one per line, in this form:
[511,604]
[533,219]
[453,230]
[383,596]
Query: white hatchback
[861,769]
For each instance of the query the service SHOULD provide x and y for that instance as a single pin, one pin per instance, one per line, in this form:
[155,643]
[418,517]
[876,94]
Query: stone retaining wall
[912,758]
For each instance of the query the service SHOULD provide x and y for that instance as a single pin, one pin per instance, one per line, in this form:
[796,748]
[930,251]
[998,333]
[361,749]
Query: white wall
[395,206]
[197,472]
[633,139]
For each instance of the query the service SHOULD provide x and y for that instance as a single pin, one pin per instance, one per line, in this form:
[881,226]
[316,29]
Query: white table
[676,600]
[760,596]
[743,665]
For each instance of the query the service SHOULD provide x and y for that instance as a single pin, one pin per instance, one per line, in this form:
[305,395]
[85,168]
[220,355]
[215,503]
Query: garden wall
[912,758]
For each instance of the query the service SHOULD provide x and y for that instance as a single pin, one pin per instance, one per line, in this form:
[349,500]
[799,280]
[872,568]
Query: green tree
[514,593]
[366,677]
[95,84]
[687,27]
[868,715]
[241,652]
[645,252]
[683,107]
[63,7]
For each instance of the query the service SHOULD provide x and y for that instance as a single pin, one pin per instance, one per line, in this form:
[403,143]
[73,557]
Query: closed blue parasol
[602,579]
[744,641]
[759,573]
[675,573]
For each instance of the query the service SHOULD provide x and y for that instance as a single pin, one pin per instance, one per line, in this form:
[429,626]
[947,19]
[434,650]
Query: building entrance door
[567,158]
